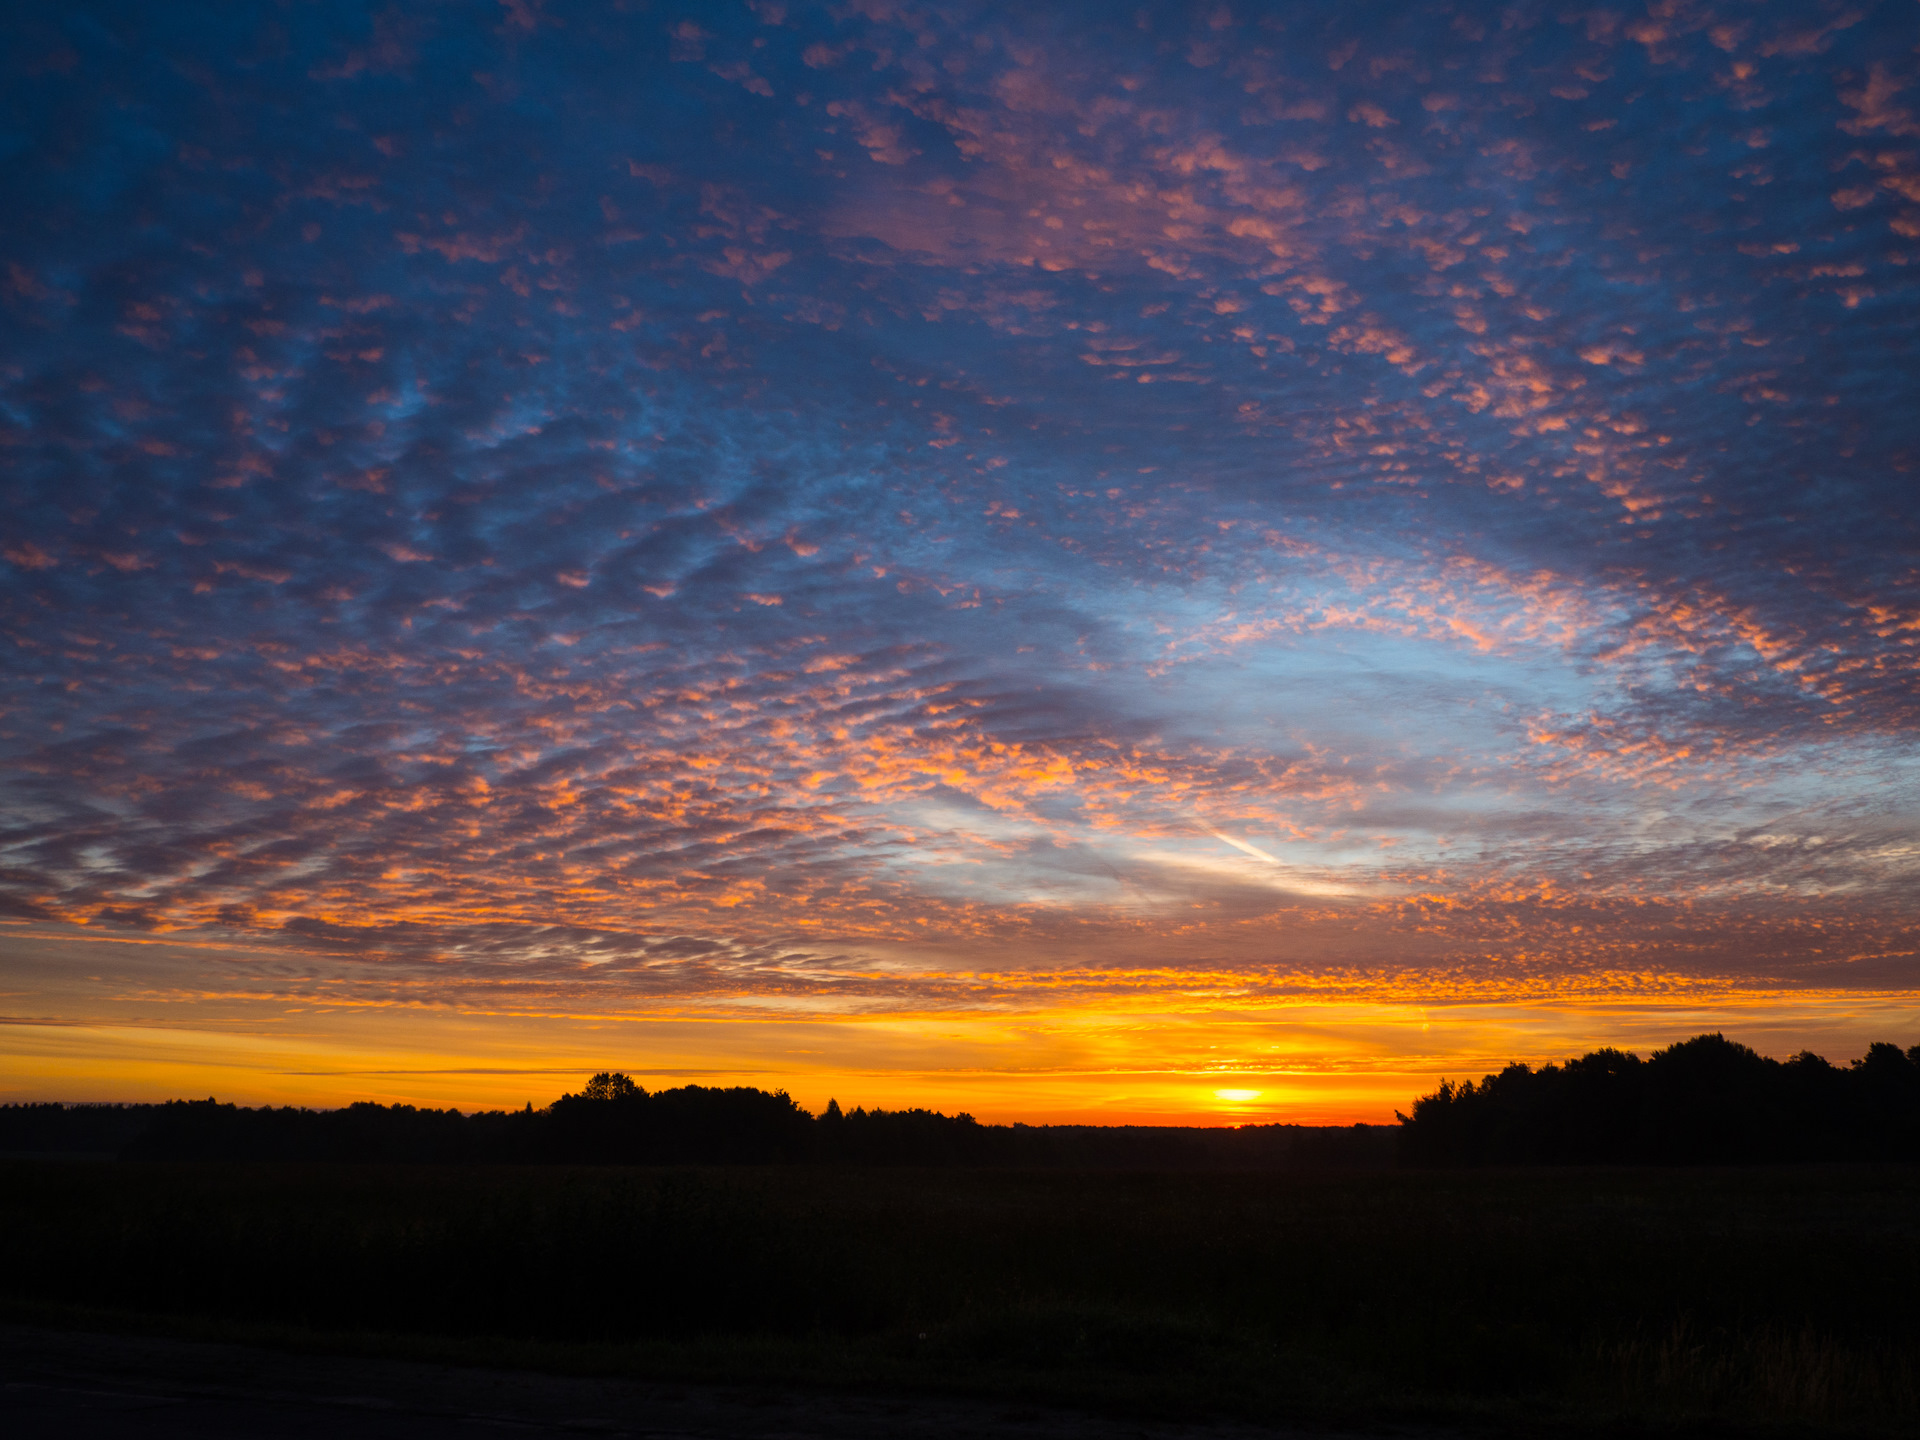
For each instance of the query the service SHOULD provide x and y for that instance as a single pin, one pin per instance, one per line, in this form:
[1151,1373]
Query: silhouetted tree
[1707,1100]
[611,1086]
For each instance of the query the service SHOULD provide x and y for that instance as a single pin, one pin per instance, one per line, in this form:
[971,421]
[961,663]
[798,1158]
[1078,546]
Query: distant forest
[1706,1100]
[614,1121]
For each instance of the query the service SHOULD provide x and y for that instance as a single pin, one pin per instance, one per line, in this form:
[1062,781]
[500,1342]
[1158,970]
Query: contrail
[1250,848]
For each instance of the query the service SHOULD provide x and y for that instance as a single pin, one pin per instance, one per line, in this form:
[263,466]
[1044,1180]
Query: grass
[1752,1299]
[1771,1371]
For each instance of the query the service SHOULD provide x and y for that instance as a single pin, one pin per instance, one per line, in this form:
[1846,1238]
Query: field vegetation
[1755,1298]
[1498,1275]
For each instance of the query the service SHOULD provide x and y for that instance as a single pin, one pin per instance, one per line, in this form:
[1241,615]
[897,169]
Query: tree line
[1707,1101]
[612,1120]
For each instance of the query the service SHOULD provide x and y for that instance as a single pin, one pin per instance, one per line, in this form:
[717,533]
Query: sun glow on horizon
[1149,1049]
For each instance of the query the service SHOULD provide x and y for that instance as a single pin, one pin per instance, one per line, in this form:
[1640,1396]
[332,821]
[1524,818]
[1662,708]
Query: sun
[1236,1097]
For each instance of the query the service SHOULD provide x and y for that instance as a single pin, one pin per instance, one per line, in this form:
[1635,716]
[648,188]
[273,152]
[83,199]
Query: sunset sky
[1053,560]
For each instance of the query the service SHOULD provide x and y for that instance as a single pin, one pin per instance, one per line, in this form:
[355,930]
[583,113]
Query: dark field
[1759,1299]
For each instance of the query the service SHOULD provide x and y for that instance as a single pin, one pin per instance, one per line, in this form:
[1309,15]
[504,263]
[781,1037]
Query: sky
[1185,562]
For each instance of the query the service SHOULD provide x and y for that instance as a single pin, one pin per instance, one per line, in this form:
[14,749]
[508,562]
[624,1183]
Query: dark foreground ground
[67,1386]
[1730,1301]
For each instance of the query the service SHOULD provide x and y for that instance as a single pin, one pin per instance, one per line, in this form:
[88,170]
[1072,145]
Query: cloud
[633,503]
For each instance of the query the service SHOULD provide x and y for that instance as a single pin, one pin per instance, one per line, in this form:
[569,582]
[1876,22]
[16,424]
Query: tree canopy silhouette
[1707,1100]
[1703,1101]
[612,1120]
[610,1086]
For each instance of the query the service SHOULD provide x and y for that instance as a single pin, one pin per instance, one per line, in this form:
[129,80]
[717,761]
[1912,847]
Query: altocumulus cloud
[901,504]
